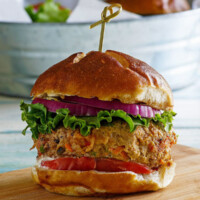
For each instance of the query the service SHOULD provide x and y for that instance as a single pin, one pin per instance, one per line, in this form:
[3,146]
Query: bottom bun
[94,183]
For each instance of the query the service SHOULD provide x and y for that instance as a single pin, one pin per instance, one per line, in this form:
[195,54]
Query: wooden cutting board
[18,185]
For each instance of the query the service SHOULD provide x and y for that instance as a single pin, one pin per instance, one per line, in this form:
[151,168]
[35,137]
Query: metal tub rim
[145,18]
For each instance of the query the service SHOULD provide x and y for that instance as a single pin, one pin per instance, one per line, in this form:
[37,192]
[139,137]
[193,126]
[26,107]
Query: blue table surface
[14,147]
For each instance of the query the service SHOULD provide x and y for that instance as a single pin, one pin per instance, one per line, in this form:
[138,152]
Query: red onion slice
[75,109]
[133,109]
[79,106]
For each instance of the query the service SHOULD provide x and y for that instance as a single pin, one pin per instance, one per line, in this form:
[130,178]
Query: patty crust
[150,146]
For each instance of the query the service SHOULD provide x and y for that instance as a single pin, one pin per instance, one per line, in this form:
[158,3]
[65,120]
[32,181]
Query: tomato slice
[101,164]
[112,165]
[37,6]
[82,164]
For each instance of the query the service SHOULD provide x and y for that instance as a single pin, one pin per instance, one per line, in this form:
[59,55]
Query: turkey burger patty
[150,146]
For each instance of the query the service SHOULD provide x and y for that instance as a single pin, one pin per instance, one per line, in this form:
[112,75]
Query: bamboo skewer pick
[105,19]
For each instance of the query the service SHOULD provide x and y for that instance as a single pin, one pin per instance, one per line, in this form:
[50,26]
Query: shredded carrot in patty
[124,155]
[53,131]
[117,150]
[68,147]
[87,143]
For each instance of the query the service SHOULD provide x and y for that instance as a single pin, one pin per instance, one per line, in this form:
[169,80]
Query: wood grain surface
[18,185]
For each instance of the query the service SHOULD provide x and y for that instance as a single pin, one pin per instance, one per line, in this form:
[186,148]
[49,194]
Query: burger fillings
[101,117]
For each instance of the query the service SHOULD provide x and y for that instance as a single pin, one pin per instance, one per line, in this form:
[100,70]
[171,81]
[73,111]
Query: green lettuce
[49,11]
[39,120]
[165,119]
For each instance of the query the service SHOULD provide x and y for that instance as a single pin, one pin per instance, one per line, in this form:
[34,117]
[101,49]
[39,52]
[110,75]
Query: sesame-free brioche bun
[107,76]
[94,183]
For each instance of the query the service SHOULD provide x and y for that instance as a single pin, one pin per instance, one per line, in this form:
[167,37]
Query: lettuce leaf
[49,11]
[39,120]
[165,119]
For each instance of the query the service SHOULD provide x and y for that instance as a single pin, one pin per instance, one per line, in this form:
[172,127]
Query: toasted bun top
[149,7]
[107,76]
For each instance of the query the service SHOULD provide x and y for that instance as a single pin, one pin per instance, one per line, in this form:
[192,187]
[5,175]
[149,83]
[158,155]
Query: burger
[102,125]
[153,7]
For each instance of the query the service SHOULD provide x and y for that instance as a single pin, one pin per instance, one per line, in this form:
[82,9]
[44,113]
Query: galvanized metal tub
[169,43]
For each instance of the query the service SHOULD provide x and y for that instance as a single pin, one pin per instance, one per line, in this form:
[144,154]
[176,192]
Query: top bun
[107,76]
[152,7]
